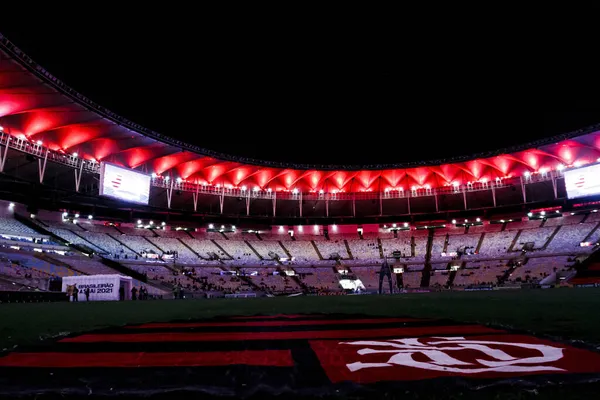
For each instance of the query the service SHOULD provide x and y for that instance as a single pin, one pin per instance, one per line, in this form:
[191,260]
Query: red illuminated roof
[37,106]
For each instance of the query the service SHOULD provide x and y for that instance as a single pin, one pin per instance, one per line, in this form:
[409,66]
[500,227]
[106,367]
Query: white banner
[102,287]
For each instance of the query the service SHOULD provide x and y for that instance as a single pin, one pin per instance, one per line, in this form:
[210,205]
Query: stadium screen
[582,182]
[124,184]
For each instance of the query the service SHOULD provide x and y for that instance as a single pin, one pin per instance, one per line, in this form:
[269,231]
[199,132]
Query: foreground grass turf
[564,313]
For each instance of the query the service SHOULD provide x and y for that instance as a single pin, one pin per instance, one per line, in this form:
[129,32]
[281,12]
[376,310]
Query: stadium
[225,276]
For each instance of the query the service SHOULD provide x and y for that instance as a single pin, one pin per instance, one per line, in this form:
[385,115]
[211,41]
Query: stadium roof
[37,106]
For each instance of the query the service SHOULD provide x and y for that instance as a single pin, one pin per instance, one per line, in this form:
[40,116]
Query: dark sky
[295,94]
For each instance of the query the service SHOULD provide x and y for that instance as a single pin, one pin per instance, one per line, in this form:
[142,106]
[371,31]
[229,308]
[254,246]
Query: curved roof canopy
[37,106]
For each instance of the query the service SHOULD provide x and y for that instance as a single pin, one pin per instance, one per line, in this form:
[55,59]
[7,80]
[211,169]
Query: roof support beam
[494,194]
[523,190]
[195,197]
[300,203]
[274,203]
[42,166]
[169,193]
[553,178]
[78,174]
[247,202]
[3,156]
[465,198]
[222,198]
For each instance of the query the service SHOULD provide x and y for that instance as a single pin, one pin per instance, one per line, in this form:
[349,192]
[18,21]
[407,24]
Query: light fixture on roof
[577,164]
[151,222]
[530,214]
[543,213]
[527,173]
[427,187]
[393,225]
[455,184]
[256,188]
[316,228]
[75,155]
[243,188]
[557,211]
[560,167]
[478,219]
[300,228]
[167,178]
[406,224]
[413,188]
[211,226]
[154,174]
[269,190]
[65,214]
[76,215]
[295,191]
[386,190]
[11,205]
[1,128]
[502,221]
[139,221]
[454,221]
[321,191]
[179,179]
[39,142]
[233,227]
[466,220]
[222,226]
[90,216]
[163,223]
[74,221]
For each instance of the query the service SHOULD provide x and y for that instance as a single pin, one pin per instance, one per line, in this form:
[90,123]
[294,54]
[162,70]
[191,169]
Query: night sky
[306,96]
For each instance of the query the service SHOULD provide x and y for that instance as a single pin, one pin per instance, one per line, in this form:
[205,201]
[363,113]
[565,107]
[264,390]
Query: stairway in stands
[478,248]
[254,250]
[222,249]
[514,241]
[285,250]
[425,277]
[190,249]
[123,244]
[545,246]
[316,249]
[589,235]
[348,249]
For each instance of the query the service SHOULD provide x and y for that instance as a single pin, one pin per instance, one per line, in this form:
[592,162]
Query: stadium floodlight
[300,228]
[179,179]
[393,225]
[577,164]
[75,155]
[455,184]
[543,213]
[1,128]
[281,228]
[316,228]
[386,190]
[222,226]
[454,221]
[243,188]
[406,224]
[269,190]
[560,167]
[139,221]
[211,226]
[65,214]
[76,215]
[32,216]
[74,221]
[530,214]
[11,205]
[478,219]
[527,173]
[256,188]
[151,222]
[233,227]
[594,210]
[413,188]
[295,191]
[154,174]
[427,187]
[39,142]
[163,223]
[167,178]
[90,216]
[466,220]
[558,211]
[321,191]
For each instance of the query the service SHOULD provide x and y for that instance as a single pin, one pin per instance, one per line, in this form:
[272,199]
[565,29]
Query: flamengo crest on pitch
[444,355]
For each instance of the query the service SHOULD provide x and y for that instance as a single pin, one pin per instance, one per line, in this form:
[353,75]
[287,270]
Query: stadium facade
[54,140]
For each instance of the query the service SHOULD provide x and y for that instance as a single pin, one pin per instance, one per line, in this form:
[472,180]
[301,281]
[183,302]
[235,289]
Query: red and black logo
[302,353]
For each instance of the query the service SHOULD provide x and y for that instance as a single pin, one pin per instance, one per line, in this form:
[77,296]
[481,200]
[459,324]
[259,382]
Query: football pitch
[273,339]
